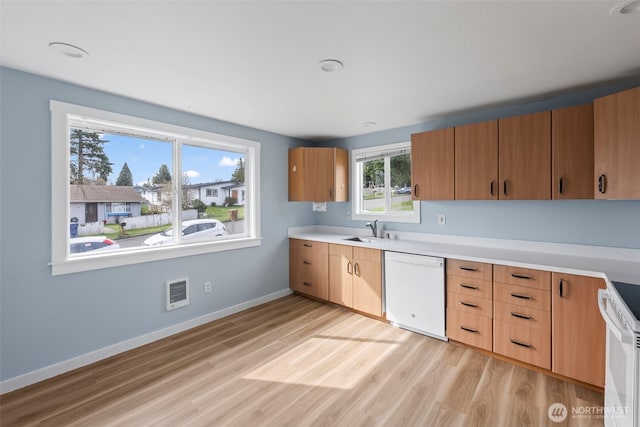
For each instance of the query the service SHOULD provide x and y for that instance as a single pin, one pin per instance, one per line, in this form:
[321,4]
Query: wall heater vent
[177,293]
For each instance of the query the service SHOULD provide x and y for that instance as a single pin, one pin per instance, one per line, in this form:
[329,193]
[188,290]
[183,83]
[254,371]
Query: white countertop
[611,264]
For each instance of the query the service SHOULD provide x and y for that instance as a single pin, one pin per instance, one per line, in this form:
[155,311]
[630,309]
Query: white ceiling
[256,62]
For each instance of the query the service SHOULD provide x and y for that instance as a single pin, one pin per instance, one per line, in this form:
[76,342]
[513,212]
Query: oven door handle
[612,324]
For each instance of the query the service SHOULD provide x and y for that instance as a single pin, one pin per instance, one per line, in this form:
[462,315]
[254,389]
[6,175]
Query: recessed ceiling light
[627,7]
[69,49]
[369,124]
[331,65]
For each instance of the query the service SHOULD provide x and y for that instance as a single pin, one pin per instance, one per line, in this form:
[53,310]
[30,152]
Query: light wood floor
[297,362]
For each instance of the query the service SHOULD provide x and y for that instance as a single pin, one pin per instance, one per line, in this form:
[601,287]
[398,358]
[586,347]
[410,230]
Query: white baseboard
[103,353]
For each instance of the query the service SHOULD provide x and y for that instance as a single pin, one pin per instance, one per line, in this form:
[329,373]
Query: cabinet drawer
[470,329]
[519,295]
[471,304]
[528,345]
[522,277]
[473,269]
[470,286]
[523,316]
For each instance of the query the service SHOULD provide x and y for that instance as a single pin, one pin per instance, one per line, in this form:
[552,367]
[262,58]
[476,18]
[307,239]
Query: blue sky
[144,157]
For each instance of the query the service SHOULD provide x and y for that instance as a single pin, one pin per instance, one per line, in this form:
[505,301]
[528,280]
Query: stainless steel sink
[361,239]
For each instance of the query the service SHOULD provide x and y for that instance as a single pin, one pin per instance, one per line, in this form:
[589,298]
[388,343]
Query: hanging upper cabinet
[572,142]
[318,174]
[432,165]
[524,147]
[617,145]
[476,161]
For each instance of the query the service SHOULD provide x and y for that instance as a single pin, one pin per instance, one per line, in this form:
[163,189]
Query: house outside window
[135,181]
[381,184]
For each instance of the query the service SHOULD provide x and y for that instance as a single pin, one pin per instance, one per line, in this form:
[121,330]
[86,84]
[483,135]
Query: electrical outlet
[442,219]
[207,287]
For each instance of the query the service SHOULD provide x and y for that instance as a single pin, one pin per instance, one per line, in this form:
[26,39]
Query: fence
[136,222]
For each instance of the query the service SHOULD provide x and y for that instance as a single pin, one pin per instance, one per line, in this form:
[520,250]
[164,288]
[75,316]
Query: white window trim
[356,186]
[62,263]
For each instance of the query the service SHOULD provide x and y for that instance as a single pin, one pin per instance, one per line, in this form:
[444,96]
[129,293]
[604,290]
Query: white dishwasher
[415,294]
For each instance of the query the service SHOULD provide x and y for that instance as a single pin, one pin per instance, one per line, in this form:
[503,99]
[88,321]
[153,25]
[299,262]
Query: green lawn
[112,231]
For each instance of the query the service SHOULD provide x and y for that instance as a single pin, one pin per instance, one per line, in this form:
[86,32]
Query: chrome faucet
[373,227]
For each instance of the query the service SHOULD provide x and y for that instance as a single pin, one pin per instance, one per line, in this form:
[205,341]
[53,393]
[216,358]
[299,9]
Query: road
[133,242]
[379,203]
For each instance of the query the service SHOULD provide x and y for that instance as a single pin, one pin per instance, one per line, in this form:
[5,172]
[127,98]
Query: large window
[381,178]
[128,190]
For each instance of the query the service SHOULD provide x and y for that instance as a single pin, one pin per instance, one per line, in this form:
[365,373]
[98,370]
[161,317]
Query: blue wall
[592,222]
[45,319]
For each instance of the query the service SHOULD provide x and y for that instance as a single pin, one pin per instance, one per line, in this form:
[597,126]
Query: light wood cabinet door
[524,153]
[476,161]
[341,275]
[432,165]
[319,174]
[578,333]
[617,145]
[572,156]
[367,280]
[296,174]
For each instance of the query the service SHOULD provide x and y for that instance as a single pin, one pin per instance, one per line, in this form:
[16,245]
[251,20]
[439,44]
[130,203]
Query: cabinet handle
[307,245]
[468,268]
[306,262]
[331,194]
[464,285]
[469,304]
[520,276]
[521,296]
[356,269]
[521,344]
[349,268]
[415,190]
[306,283]
[473,331]
[521,316]
[561,288]
[602,184]
[561,186]
[504,187]
[491,188]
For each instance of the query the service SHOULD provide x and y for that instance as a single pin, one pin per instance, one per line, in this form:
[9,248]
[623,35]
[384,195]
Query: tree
[87,156]
[163,176]
[125,178]
[238,174]
[401,170]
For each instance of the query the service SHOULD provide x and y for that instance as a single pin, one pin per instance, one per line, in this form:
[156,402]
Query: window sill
[414,219]
[136,256]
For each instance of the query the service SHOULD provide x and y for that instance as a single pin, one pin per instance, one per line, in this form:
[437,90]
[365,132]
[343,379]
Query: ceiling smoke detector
[331,65]
[69,49]
[627,7]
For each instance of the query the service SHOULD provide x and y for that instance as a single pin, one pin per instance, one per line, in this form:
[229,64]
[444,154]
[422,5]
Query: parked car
[79,245]
[403,190]
[195,229]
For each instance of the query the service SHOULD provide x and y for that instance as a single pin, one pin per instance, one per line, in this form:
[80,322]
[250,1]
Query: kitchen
[49,320]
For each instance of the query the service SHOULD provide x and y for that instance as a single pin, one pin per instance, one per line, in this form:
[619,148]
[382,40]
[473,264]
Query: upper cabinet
[524,153]
[318,174]
[432,165]
[572,159]
[617,145]
[476,161]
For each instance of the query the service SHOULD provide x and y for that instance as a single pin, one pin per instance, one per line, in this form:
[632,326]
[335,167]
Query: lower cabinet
[578,337]
[309,267]
[355,278]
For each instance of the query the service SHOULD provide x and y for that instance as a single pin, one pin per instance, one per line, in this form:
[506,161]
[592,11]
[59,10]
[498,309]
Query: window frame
[64,115]
[386,151]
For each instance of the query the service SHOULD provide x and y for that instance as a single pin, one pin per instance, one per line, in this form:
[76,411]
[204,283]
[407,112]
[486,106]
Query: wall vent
[177,293]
